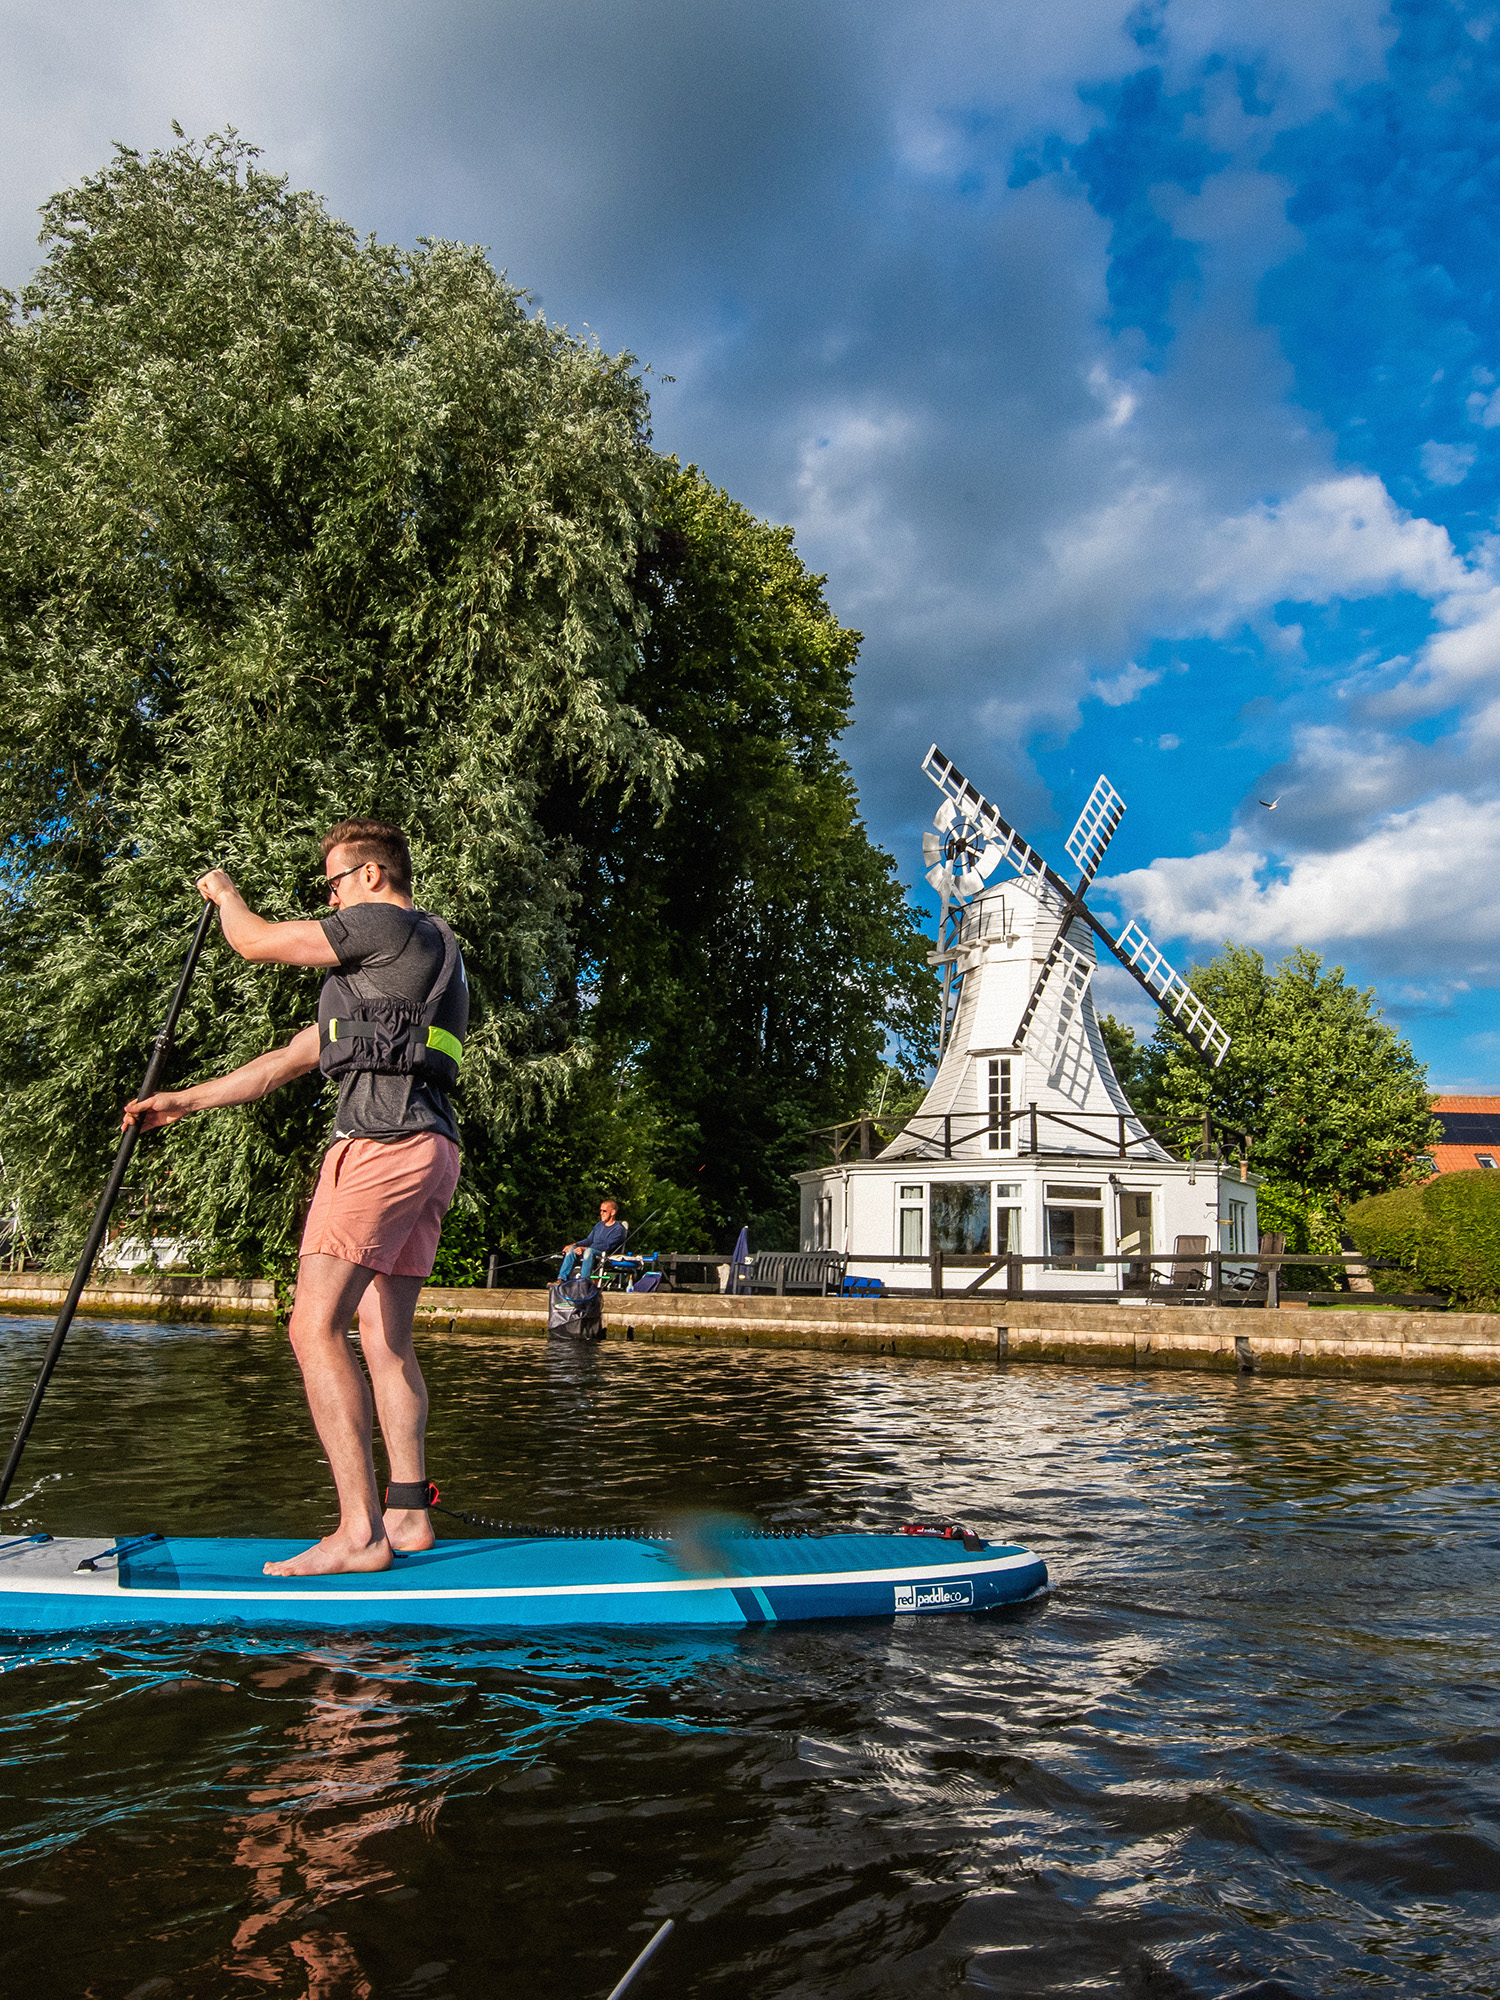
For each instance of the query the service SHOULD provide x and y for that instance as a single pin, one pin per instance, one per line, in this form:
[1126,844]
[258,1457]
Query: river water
[1252,1735]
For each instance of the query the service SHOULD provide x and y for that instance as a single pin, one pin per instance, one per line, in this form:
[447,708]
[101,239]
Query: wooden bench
[800,1271]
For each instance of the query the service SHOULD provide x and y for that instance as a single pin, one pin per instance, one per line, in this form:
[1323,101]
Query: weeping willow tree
[296,525]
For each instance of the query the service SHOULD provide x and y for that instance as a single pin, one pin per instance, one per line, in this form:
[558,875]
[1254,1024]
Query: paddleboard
[68,1583]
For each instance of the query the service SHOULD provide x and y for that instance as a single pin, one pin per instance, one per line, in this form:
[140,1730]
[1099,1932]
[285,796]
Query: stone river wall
[153,1295]
[1456,1347]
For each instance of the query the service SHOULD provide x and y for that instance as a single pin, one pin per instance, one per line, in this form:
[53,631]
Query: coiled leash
[951,1531]
[425,1493]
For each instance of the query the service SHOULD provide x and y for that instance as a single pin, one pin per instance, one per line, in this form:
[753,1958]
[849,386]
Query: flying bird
[1270,804]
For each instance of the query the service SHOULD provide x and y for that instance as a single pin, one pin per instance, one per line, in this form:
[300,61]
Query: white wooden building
[1021,1147]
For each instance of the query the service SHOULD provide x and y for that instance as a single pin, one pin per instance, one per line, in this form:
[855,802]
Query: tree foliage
[297,525]
[1333,1100]
[746,954]
[1130,1059]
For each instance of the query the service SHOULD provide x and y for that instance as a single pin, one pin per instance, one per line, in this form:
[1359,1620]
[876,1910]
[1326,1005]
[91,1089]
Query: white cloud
[1454,665]
[1126,686]
[1447,464]
[1334,538]
[1423,880]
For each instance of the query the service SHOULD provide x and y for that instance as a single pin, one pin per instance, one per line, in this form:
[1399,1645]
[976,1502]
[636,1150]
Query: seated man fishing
[603,1240]
[392,1016]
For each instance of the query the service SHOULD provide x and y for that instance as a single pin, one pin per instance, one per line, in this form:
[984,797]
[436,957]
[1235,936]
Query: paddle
[161,1049]
[640,1965]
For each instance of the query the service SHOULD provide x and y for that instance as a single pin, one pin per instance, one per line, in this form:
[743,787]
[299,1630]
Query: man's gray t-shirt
[386,951]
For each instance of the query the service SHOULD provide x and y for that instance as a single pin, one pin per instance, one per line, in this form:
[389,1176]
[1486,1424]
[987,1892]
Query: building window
[994,1079]
[913,1202]
[1234,1227]
[1007,1236]
[1075,1224]
[1485,1159]
[822,1222]
[961,1217]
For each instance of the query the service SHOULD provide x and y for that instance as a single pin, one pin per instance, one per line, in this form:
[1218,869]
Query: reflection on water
[1253,1733]
[306,1842]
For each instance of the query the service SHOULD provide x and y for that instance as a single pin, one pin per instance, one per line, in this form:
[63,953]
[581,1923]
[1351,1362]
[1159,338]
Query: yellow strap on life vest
[448,1045]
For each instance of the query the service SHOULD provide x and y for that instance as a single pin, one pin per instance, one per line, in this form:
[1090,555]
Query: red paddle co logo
[933,1596]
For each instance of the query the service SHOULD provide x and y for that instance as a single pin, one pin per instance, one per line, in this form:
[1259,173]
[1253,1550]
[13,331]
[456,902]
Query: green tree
[748,953]
[1132,1060]
[893,1097]
[1334,1101]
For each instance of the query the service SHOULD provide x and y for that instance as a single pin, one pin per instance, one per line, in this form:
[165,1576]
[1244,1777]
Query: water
[1252,1734]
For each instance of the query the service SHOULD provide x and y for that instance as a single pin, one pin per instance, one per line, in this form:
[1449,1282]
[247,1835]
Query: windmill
[971,842]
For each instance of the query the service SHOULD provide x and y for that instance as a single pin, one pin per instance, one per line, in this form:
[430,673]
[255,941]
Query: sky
[1131,371]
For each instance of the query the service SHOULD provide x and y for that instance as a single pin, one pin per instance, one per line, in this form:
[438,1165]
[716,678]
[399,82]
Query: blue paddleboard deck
[72,1583]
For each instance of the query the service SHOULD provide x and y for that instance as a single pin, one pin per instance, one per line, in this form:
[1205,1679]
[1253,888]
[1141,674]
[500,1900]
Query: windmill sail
[1038,1007]
[1171,992]
[1096,828]
[1102,813]
[1056,1017]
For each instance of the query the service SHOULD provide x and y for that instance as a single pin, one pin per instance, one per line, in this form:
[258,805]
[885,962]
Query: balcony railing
[1033,1130]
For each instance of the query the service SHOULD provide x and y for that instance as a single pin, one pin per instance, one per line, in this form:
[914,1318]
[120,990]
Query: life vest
[374,1032]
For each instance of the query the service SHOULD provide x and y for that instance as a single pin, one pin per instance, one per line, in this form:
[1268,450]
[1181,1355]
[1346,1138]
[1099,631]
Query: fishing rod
[161,1049]
[649,1220]
[494,1268]
[543,1256]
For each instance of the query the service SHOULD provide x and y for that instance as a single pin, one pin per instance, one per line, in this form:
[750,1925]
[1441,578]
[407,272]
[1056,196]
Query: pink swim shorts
[381,1203]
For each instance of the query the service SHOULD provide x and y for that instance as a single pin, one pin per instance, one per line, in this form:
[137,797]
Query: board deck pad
[734,1580]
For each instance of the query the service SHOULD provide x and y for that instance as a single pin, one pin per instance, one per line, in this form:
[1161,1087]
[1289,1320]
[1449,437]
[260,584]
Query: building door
[1135,1235]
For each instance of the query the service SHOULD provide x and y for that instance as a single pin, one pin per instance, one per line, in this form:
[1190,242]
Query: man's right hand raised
[301,941]
[215,886]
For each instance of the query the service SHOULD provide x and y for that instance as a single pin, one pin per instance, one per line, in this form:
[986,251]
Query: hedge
[1445,1234]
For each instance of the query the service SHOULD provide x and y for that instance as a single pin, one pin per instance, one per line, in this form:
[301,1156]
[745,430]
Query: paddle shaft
[160,1051]
[641,1963]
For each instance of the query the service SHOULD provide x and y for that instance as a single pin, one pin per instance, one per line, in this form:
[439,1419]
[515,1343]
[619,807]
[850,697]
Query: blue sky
[1132,371]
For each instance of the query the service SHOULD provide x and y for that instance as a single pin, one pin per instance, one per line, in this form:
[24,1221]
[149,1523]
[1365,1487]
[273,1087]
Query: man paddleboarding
[392,1016]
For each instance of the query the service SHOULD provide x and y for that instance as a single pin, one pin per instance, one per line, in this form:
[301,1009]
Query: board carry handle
[161,1049]
[117,1552]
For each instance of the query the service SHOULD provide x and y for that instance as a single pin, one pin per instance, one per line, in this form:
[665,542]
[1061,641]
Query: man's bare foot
[408,1530]
[335,1555]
